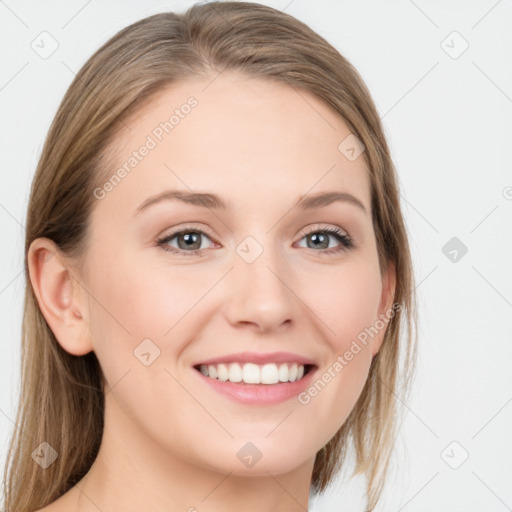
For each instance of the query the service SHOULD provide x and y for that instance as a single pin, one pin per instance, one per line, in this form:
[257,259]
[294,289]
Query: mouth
[256,374]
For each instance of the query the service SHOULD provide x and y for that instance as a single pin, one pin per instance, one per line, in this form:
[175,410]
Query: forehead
[247,139]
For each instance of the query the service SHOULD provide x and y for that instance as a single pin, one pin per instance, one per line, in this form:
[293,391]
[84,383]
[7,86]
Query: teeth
[236,373]
[269,373]
[222,372]
[212,371]
[251,373]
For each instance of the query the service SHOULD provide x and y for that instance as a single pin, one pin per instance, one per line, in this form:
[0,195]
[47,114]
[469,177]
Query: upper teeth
[251,373]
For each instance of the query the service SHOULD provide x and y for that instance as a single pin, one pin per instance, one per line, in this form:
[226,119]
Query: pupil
[324,242]
[190,240]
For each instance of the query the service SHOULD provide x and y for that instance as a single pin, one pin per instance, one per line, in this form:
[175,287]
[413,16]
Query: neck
[133,472]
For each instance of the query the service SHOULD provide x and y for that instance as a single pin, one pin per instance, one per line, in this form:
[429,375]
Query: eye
[319,239]
[189,241]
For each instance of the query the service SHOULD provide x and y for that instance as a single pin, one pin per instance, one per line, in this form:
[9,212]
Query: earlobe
[58,295]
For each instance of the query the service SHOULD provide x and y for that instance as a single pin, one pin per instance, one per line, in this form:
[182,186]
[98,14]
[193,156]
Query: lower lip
[259,394]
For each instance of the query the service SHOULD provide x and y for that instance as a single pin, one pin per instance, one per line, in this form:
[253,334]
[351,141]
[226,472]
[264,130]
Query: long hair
[61,396]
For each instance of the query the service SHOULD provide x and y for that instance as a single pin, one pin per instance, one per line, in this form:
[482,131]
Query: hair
[61,395]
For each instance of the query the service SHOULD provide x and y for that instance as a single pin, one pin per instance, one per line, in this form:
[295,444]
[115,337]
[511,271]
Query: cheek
[346,301]
[136,300]
[345,304]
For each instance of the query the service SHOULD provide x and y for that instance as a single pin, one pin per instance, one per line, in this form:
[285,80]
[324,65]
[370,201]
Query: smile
[257,385]
[251,373]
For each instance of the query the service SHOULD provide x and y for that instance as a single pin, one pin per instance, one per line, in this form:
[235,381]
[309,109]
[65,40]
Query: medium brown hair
[61,396]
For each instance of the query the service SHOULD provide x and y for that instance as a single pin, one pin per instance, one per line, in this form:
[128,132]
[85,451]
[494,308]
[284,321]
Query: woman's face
[251,271]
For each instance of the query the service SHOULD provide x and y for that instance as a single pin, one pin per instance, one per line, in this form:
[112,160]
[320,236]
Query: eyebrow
[213,201]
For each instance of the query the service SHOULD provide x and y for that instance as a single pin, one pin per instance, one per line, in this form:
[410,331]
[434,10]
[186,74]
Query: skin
[170,442]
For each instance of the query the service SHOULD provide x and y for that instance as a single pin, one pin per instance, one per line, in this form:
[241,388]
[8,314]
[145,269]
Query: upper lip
[258,358]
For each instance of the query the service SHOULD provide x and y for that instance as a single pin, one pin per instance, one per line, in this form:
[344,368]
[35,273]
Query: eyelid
[176,231]
[304,232]
[162,240]
[341,235]
[319,226]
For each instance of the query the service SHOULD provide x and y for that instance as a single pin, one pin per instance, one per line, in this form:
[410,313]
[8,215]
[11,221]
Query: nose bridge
[260,293]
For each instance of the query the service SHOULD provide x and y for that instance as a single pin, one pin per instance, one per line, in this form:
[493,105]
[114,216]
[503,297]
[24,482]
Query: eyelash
[346,241]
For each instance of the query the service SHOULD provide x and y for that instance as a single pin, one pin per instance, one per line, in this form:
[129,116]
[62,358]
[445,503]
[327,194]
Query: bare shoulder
[66,503]
[55,506]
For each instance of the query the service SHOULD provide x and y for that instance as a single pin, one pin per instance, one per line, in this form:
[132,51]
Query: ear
[386,311]
[61,298]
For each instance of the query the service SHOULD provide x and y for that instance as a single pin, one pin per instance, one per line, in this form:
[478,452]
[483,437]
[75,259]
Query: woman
[218,275]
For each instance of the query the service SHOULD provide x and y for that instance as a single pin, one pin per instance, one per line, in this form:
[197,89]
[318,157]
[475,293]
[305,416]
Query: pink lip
[258,358]
[259,394]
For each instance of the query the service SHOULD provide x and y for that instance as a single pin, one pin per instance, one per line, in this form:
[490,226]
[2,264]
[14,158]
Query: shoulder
[66,503]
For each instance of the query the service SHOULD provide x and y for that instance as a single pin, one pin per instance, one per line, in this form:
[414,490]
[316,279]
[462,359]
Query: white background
[449,124]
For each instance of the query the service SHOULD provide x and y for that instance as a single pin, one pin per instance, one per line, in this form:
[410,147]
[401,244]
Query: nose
[260,294]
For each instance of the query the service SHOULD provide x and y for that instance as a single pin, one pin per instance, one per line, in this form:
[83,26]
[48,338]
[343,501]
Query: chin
[259,458]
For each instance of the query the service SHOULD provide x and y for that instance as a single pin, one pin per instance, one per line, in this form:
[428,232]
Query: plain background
[447,113]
